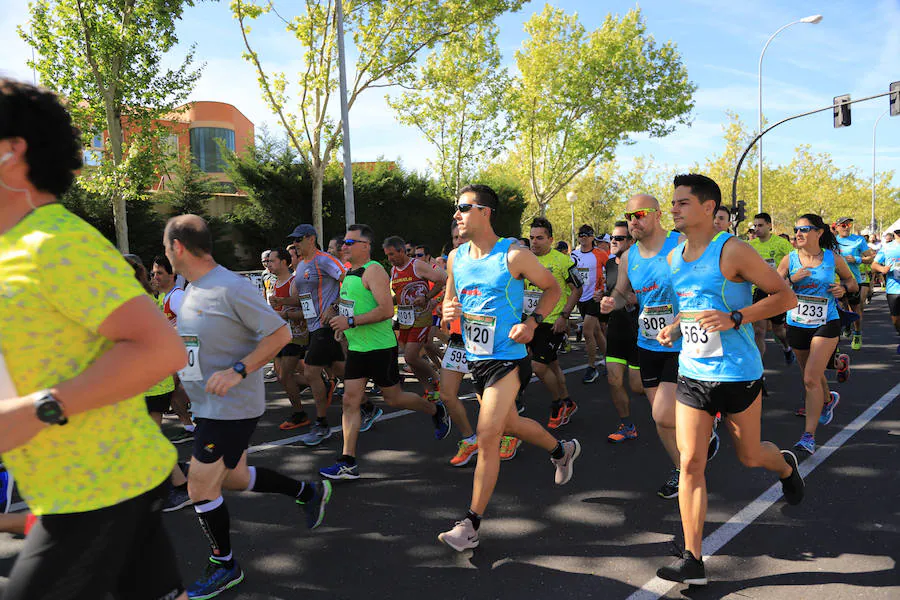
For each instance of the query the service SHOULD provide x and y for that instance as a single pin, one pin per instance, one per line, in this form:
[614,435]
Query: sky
[854,50]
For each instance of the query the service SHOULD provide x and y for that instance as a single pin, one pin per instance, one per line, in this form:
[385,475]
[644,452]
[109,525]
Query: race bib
[308,306]
[455,359]
[531,300]
[585,275]
[654,319]
[345,307]
[810,310]
[479,333]
[406,314]
[191,371]
[696,341]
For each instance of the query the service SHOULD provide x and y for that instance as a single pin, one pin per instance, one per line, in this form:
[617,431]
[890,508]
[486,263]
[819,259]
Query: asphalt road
[601,536]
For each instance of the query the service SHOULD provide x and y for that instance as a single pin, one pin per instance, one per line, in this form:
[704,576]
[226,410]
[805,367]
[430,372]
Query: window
[205,149]
[170,145]
[94,154]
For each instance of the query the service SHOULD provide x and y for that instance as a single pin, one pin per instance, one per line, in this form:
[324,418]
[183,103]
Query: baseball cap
[586,229]
[844,220]
[604,238]
[303,230]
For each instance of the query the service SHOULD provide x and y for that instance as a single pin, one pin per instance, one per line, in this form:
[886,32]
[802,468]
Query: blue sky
[855,50]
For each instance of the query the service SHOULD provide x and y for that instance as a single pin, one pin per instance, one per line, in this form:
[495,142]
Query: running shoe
[670,488]
[807,443]
[368,418]
[800,412]
[520,405]
[217,578]
[842,362]
[318,433]
[297,419]
[565,466]
[434,396]
[601,368]
[688,569]
[713,447]
[182,436]
[557,416]
[177,499]
[828,410]
[315,507]
[340,470]
[789,357]
[566,347]
[270,376]
[6,490]
[856,344]
[622,434]
[793,487]
[465,452]
[376,390]
[441,420]
[571,409]
[590,375]
[579,332]
[509,445]
[462,537]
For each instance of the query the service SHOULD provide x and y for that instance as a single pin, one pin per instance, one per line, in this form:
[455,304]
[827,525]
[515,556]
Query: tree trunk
[120,218]
[318,180]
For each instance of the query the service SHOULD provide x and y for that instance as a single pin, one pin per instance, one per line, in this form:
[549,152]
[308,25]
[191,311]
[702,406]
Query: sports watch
[240,369]
[538,317]
[351,322]
[49,410]
[738,318]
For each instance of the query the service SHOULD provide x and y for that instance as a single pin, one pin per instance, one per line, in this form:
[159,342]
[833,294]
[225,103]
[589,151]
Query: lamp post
[572,197]
[814,19]
[874,131]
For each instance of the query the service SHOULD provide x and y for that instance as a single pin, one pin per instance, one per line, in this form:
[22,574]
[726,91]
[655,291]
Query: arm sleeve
[252,310]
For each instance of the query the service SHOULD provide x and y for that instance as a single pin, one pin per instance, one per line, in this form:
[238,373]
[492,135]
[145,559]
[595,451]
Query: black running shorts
[545,344]
[800,338]
[726,397]
[853,298]
[893,301]
[158,404]
[218,438]
[291,350]
[621,338]
[589,308]
[758,295]
[122,550]
[378,365]
[658,367]
[323,349]
[486,373]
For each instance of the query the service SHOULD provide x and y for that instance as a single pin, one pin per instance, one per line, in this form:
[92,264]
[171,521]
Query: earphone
[6,157]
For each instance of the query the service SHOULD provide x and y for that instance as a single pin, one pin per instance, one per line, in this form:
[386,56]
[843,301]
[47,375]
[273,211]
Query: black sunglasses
[585,234]
[805,229]
[465,207]
[618,238]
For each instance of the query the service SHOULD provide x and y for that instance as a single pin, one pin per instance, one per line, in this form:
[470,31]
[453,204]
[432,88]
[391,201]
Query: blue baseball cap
[303,230]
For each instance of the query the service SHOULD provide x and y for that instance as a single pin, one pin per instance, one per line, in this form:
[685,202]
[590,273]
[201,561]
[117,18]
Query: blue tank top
[815,304]
[491,301]
[729,355]
[853,245]
[651,281]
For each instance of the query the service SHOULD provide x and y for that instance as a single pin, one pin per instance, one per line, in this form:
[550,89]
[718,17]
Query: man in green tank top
[365,309]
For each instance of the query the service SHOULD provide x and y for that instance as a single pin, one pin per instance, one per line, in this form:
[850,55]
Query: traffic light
[895,98]
[842,111]
[741,213]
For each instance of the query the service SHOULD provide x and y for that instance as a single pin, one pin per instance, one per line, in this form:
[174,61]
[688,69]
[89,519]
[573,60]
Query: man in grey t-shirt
[230,334]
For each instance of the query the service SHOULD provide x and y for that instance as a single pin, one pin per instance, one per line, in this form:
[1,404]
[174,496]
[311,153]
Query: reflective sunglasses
[847,224]
[349,242]
[804,229]
[640,214]
[420,255]
[591,234]
[465,207]
[618,238]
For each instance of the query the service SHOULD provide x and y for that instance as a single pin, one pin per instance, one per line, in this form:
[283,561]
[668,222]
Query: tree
[580,94]
[457,102]
[389,35]
[105,58]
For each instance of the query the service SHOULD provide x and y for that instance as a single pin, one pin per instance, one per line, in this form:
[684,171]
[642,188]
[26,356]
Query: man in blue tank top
[719,366]
[485,288]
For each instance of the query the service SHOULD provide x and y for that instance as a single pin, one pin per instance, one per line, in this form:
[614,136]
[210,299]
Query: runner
[722,221]
[772,249]
[622,354]
[549,335]
[719,365]
[591,263]
[887,263]
[81,342]
[644,270]
[486,289]
[855,251]
[230,333]
[365,315]
[814,326]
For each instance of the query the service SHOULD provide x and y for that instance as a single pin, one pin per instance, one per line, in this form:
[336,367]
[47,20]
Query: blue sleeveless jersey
[699,286]
[491,301]
[651,281]
[811,291]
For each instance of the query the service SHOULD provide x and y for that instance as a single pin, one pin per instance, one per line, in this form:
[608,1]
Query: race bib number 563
[697,342]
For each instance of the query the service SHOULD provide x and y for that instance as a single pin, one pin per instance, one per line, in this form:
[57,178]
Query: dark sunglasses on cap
[805,229]
[640,214]
[349,242]
[618,238]
[465,207]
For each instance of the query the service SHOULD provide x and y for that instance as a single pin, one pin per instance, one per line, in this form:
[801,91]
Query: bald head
[639,201]
[191,231]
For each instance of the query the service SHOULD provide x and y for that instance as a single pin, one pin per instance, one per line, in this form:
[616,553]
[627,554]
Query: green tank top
[356,300]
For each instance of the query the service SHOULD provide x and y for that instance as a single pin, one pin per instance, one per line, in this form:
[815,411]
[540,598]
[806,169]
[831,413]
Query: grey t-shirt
[228,317]
[319,280]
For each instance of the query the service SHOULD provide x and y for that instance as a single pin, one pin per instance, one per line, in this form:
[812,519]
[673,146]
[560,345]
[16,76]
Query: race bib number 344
[191,371]
[479,333]
[697,342]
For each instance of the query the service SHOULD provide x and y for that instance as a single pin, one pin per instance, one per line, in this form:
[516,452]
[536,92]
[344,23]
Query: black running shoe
[794,486]
[687,569]
[670,488]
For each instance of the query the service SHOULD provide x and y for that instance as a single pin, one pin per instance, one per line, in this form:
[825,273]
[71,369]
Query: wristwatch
[49,410]
[538,317]
[738,318]
[240,369]
[351,322]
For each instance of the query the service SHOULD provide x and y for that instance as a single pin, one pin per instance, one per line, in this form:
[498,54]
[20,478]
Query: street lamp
[814,19]
[572,197]
[874,131]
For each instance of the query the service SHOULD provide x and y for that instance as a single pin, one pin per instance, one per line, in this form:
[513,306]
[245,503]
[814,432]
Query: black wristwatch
[351,322]
[240,369]
[49,410]
[738,318]
[538,317]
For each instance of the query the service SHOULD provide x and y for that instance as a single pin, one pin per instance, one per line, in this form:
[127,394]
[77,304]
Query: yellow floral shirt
[59,281]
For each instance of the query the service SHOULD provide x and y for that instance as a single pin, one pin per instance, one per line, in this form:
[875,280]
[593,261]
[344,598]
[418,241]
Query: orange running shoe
[465,453]
[571,409]
[557,417]
[622,434]
[297,419]
[509,445]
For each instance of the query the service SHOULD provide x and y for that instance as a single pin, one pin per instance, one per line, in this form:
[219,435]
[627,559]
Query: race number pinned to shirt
[455,358]
[810,310]
[345,307]
[696,341]
[406,315]
[585,274]
[654,319]
[191,371]
[530,302]
[479,333]
[308,306]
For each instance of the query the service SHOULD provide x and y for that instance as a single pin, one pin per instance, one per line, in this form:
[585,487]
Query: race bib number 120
[479,333]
